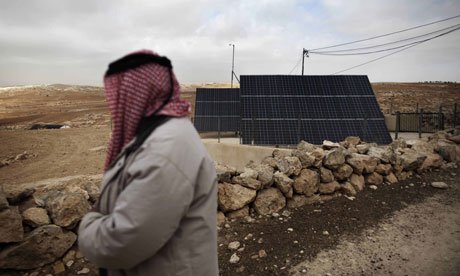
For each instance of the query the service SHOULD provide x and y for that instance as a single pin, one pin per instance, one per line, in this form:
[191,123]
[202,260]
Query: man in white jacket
[156,214]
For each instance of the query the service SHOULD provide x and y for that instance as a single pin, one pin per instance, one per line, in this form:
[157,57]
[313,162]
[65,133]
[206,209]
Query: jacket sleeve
[146,215]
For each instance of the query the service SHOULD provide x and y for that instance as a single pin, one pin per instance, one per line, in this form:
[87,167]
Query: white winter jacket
[158,211]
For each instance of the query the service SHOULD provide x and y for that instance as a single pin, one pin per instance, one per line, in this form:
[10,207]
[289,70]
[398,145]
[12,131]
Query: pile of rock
[38,224]
[312,173]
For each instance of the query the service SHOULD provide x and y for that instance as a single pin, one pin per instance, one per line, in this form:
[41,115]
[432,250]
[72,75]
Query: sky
[72,42]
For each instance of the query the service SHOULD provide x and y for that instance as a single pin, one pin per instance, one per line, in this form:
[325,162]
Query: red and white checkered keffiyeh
[137,93]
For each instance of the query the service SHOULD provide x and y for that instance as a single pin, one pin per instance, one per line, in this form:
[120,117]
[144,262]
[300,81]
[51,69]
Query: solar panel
[213,104]
[282,110]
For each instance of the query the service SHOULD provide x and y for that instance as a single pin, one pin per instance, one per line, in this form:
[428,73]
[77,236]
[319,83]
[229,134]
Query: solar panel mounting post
[233,63]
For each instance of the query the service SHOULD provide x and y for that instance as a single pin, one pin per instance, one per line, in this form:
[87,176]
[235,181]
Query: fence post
[397,125]
[455,116]
[440,119]
[218,128]
[391,108]
[420,123]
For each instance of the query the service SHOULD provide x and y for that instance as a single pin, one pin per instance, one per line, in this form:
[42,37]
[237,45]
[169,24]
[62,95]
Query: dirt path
[423,239]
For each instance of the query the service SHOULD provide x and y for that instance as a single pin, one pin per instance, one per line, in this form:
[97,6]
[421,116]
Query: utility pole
[304,54]
[233,62]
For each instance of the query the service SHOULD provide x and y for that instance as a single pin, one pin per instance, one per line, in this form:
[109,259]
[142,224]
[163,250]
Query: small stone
[85,270]
[296,242]
[227,225]
[69,263]
[241,269]
[35,273]
[286,213]
[304,270]
[249,236]
[69,256]
[234,245]
[59,269]
[261,240]
[439,185]
[275,215]
[373,187]
[328,274]
[262,253]
[254,257]
[301,252]
[290,230]
[411,184]
[240,249]
[234,259]
[325,233]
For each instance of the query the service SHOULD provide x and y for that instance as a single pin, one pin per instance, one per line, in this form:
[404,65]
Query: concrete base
[237,155]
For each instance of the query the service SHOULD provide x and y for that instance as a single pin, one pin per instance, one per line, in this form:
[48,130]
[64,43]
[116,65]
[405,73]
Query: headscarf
[137,93]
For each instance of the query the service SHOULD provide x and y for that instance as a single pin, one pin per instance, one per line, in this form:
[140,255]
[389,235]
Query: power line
[385,44]
[297,64]
[400,50]
[392,33]
[394,48]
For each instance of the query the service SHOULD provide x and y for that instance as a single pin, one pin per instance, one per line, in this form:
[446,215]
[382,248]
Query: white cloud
[64,41]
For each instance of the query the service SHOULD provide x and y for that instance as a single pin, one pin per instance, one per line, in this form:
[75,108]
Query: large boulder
[269,201]
[412,161]
[385,154]
[447,150]
[455,139]
[92,189]
[391,178]
[307,182]
[66,209]
[383,169]
[264,175]
[307,159]
[326,175]
[319,154]
[248,182]
[357,181]
[36,217]
[11,225]
[343,172]
[369,163]
[352,140]
[269,161]
[363,148]
[348,189]
[334,159]
[433,160]
[300,200]
[305,146]
[233,197]
[356,163]
[327,145]
[289,165]
[399,143]
[42,246]
[224,174]
[284,183]
[329,188]
[16,193]
[373,179]
[422,146]
[241,213]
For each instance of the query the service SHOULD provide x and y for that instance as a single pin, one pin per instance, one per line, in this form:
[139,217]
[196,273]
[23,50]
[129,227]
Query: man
[156,214]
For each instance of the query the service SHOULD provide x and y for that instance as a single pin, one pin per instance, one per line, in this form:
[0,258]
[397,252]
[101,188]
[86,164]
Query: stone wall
[318,173]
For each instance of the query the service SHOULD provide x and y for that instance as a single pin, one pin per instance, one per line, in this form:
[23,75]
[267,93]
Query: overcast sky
[71,42]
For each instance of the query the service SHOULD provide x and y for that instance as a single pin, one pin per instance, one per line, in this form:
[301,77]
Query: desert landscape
[399,225]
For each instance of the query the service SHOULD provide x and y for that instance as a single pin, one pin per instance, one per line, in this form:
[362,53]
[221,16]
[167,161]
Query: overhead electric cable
[385,44]
[389,49]
[392,33]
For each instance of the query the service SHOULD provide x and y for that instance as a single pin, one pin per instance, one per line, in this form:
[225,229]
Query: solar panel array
[214,103]
[282,110]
